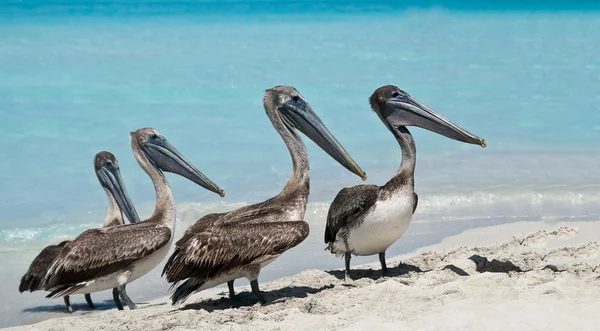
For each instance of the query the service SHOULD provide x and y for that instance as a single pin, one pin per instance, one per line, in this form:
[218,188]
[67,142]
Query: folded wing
[221,248]
[100,252]
[350,204]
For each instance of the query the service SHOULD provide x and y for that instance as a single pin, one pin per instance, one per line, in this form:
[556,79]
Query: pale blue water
[76,79]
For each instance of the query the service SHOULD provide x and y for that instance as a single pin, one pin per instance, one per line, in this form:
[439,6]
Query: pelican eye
[295,98]
[154,136]
[110,164]
[395,94]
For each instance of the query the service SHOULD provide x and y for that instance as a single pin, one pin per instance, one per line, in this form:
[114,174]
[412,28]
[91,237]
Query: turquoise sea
[77,76]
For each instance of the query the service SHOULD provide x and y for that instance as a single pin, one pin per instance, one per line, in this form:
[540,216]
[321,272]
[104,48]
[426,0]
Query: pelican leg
[256,291]
[126,298]
[88,299]
[68,304]
[347,257]
[231,291]
[384,269]
[116,298]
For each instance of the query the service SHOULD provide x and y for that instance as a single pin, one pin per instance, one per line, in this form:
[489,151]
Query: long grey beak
[168,159]
[110,177]
[415,113]
[301,116]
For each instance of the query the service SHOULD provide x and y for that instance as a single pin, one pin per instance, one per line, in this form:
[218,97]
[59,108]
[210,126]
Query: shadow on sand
[245,299]
[59,307]
[374,274]
[482,265]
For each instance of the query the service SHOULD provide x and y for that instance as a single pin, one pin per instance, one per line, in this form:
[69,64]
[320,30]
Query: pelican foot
[125,297]
[256,291]
[231,290]
[384,269]
[116,299]
[88,299]
[347,277]
[68,304]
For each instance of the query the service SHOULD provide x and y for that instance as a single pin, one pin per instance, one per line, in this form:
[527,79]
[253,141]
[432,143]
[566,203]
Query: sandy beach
[502,238]
[525,276]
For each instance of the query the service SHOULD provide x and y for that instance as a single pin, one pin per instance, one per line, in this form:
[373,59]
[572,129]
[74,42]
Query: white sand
[435,288]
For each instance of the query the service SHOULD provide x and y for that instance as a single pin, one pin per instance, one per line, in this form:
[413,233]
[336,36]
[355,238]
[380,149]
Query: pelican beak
[407,110]
[301,116]
[167,158]
[110,177]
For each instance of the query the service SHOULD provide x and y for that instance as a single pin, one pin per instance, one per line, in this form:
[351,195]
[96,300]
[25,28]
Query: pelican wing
[33,278]
[100,252]
[199,226]
[253,214]
[221,248]
[349,205]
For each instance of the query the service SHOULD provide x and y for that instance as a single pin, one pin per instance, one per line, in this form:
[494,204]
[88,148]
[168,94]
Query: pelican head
[163,156]
[109,175]
[397,108]
[297,113]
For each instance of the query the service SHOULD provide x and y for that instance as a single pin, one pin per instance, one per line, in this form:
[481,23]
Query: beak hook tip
[483,143]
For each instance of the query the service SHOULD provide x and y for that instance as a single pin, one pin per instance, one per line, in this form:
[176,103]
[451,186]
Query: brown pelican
[220,248]
[367,219]
[100,259]
[109,176]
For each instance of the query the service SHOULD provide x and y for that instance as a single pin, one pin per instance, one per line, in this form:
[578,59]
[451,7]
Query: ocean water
[76,79]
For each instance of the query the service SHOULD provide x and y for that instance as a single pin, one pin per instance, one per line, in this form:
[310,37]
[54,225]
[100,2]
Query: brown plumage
[120,248]
[367,219]
[222,247]
[239,241]
[99,259]
[33,278]
[349,206]
[219,249]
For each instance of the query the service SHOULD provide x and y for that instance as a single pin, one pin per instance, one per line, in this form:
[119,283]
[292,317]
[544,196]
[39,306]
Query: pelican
[100,259]
[222,247]
[109,176]
[367,219]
